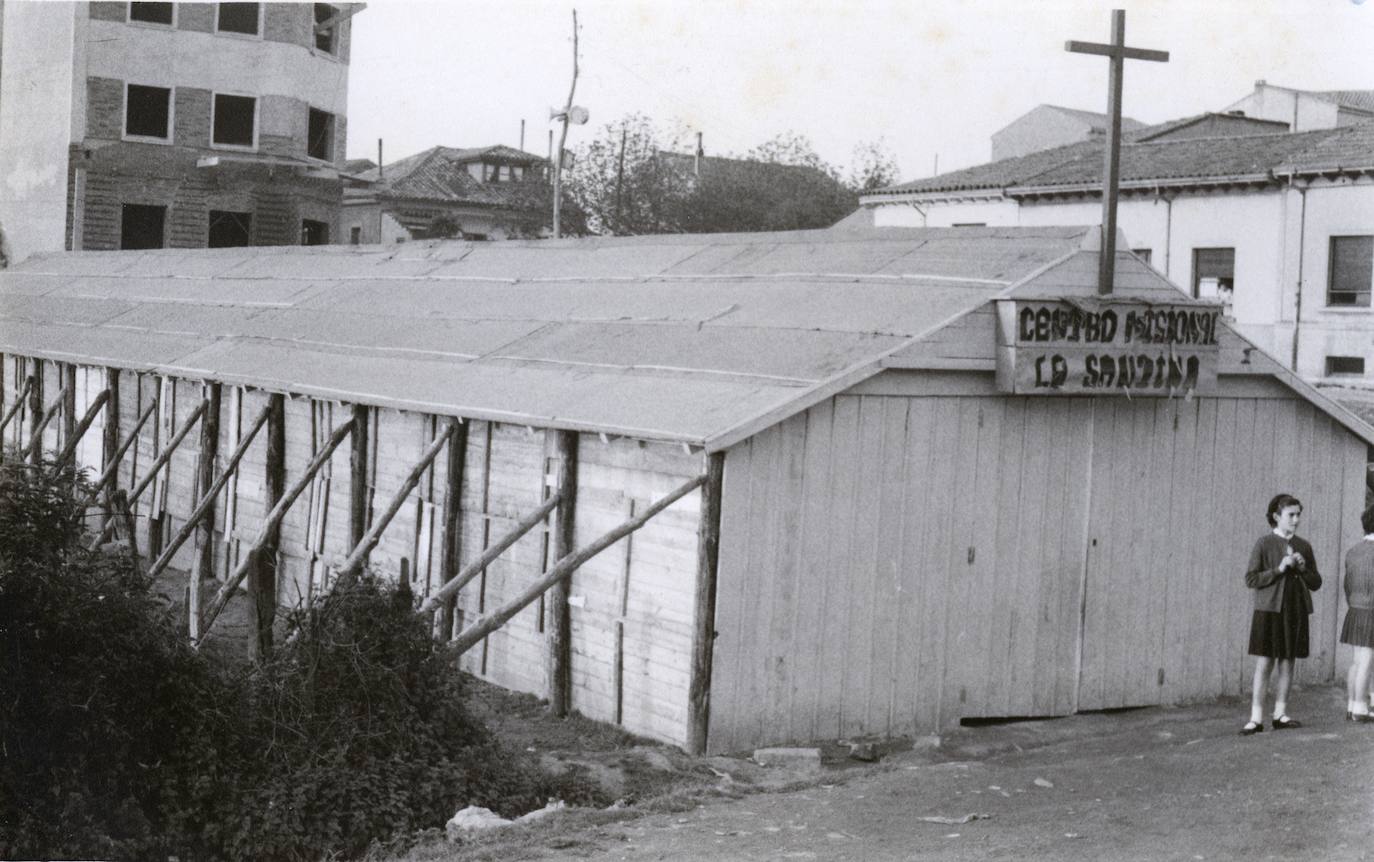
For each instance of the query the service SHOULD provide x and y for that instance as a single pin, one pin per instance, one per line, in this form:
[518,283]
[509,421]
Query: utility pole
[619,176]
[562,141]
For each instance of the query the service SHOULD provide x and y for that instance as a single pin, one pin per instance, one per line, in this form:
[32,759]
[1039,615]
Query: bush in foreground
[120,741]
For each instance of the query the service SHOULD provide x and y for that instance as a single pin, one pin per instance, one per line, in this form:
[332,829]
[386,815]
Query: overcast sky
[926,76]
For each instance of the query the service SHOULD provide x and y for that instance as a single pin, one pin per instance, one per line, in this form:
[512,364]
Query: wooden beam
[74,435]
[262,558]
[357,472]
[272,523]
[203,514]
[34,452]
[202,520]
[109,445]
[358,557]
[113,460]
[477,566]
[451,533]
[474,633]
[163,457]
[35,410]
[704,612]
[13,410]
[558,620]
[68,401]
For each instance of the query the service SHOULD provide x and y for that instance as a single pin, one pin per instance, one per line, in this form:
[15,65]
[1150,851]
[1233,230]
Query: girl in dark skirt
[1358,630]
[1283,573]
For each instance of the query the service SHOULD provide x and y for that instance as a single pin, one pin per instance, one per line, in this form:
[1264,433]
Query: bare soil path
[1146,784]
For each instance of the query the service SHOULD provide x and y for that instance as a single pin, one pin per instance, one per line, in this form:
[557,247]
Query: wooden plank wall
[892,563]
[632,606]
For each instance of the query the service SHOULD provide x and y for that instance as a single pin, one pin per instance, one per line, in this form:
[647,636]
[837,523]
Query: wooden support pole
[34,453]
[272,523]
[68,401]
[558,620]
[13,410]
[489,623]
[73,436]
[163,457]
[35,412]
[112,461]
[451,536]
[704,611]
[475,568]
[357,477]
[202,517]
[109,444]
[125,514]
[358,557]
[262,558]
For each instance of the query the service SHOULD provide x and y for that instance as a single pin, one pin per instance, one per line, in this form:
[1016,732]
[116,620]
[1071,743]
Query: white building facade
[1281,229]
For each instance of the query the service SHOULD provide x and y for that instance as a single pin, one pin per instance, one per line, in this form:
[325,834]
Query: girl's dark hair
[1278,504]
[1367,520]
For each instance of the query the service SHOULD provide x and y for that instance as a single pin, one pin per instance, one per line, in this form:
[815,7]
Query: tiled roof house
[495,192]
[1279,225]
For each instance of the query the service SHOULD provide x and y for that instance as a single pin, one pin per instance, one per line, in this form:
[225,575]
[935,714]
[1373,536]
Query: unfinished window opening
[325,28]
[152,13]
[1214,275]
[1342,365]
[142,226]
[1351,271]
[234,121]
[230,229]
[314,232]
[475,171]
[239,18]
[148,112]
[355,235]
[320,144]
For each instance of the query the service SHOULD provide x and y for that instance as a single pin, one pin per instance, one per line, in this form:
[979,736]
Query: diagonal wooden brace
[474,633]
[18,403]
[80,430]
[473,569]
[119,453]
[36,440]
[273,519]
[162,459]
[207,500]
[358,557]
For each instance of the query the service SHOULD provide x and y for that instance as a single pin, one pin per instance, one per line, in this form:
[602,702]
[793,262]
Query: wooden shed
[940,488]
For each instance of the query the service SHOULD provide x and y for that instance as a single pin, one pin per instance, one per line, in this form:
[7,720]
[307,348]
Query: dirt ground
[1159,783]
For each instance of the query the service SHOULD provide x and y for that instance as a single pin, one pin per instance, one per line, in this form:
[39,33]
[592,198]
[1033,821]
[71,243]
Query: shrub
[121,741]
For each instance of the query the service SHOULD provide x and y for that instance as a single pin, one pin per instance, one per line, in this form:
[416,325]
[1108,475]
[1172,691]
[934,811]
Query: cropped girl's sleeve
[1261,572]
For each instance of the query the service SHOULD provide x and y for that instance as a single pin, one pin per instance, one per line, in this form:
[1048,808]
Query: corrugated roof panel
[44,308]
[539,394]
[173,318]
[678,337]
[897,309]
[420,298]
[31,284]
[853,257]
[526,260]
[332,262]
[208,291]
[432,334]
[789,354]
[93,345]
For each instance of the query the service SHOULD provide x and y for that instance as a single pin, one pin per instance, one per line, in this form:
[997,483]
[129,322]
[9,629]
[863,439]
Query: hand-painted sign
[1106,346]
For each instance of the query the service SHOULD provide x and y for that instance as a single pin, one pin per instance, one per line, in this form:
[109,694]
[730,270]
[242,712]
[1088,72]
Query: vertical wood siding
[892,564]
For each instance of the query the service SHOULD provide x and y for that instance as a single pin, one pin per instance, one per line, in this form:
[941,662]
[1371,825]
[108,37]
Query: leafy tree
[629,184]
[623,185]
[873,167]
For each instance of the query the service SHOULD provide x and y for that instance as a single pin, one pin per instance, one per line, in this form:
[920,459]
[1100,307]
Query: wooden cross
[1117,53]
